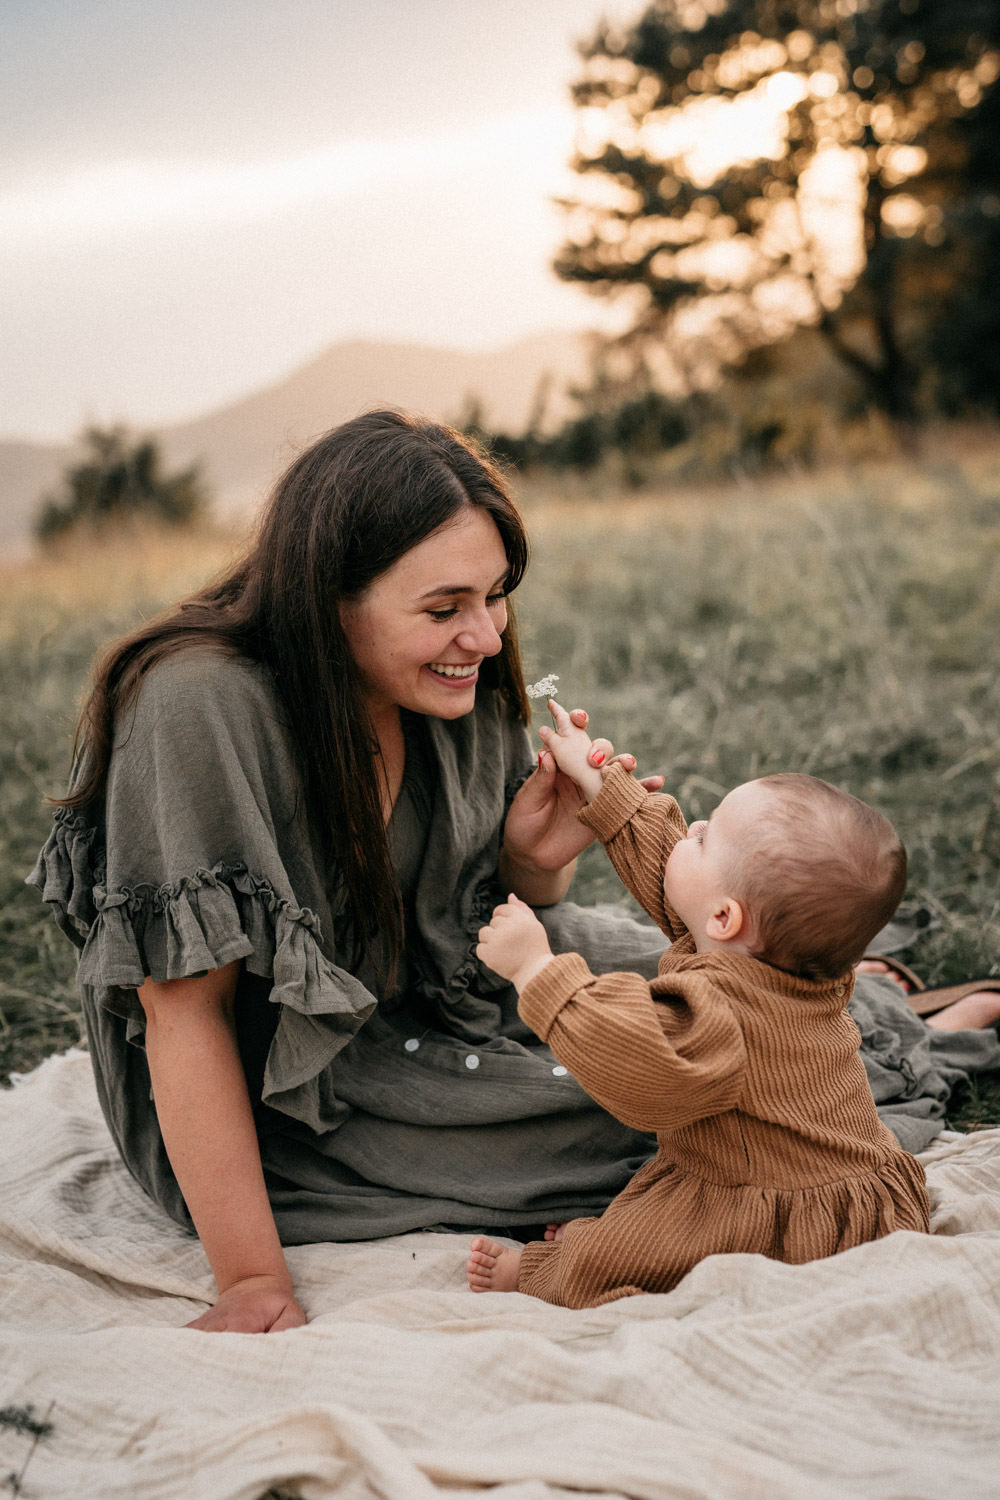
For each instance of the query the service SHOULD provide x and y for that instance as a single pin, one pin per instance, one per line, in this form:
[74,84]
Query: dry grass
[54,613]
[842,624]
[117,576]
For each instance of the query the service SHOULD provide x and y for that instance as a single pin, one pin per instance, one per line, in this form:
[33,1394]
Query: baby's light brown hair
[825,876]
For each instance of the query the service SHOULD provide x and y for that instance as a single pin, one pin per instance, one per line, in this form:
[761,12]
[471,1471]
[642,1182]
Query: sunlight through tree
[751,165]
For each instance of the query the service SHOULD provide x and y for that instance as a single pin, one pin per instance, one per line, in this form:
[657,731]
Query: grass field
[841,624]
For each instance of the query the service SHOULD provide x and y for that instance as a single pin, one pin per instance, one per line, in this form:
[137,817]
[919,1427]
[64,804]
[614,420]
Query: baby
[740,1055]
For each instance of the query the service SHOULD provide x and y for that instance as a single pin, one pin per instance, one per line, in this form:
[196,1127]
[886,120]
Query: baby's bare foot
[554,1232]
[492,1267]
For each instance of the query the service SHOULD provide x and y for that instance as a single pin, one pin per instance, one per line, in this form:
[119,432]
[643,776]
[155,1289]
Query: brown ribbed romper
[769,1142]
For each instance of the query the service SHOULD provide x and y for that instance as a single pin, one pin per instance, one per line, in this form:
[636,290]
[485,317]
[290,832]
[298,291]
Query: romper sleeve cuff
[619,799]
[544,996]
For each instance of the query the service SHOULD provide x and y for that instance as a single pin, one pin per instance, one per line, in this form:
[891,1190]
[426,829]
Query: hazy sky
[198,195]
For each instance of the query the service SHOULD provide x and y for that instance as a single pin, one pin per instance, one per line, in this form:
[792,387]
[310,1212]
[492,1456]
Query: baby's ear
[727,921]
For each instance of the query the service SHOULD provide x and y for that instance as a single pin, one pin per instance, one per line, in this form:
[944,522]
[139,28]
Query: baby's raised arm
[570,749]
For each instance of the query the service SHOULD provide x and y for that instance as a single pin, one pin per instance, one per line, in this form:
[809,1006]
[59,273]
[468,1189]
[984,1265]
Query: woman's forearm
[533,884]
[205,1117]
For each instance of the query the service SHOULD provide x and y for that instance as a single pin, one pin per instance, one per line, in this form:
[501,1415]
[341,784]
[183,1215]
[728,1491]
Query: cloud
[110,198]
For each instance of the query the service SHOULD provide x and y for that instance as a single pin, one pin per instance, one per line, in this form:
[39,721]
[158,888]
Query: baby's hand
[570,748]
[515,944]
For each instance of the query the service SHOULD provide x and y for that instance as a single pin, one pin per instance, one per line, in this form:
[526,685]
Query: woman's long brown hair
[347,509]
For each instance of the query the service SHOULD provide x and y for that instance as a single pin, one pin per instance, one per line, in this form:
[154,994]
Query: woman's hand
[257,1304]
[206,1120]
[542,837]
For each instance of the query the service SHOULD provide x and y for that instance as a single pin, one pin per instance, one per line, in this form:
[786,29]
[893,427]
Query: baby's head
[791,870]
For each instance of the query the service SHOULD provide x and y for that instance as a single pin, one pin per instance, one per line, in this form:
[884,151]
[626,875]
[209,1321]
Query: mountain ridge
[244,444]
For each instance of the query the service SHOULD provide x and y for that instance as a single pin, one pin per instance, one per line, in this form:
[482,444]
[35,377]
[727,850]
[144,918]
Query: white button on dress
[411,1045]
[559,1072]
[472,1061]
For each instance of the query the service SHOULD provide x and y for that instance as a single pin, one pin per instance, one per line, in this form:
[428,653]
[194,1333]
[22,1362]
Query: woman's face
[420,630]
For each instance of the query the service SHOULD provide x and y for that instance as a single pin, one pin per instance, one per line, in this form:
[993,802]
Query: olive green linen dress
[376,1114]
[434,1105]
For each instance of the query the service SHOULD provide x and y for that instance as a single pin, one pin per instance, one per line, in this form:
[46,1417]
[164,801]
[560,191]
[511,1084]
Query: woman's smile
[446,594]
[454,673]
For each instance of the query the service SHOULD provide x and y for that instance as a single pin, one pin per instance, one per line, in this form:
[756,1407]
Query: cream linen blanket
[876,1373]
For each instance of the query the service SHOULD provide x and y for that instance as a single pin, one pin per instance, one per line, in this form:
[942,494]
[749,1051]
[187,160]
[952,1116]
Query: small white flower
[544,688]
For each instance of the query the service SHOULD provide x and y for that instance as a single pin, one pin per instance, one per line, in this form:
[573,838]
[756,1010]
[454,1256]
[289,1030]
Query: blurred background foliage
[840,623]
[794,205]
[120,480]
[835,282]
[816,296]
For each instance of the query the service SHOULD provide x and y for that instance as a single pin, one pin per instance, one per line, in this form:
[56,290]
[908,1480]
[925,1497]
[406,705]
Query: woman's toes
[876,966]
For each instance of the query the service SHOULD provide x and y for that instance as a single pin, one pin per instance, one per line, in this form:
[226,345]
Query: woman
[298,797]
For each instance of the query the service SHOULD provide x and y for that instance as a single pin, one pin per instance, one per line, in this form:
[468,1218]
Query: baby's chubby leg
[492,1267]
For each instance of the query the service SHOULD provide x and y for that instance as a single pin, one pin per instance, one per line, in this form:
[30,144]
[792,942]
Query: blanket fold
[870,1373]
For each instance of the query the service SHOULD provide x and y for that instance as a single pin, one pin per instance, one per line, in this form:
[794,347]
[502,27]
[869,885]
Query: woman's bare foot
[554,1232]
[876,966]
[492,1267]
[971,1013]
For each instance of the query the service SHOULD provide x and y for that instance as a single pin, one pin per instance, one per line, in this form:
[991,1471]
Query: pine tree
[120,480]
[878,107]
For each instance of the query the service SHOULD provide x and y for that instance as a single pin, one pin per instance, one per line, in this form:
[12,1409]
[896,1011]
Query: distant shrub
[120,480]
[579,444]
[788,406]
[634,428]
[650,423]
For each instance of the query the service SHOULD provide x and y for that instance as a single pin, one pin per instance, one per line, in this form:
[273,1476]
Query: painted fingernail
[539,760]
[598,758]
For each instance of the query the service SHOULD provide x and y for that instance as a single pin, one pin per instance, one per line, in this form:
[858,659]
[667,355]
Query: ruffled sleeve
[199,856]
[66,872]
